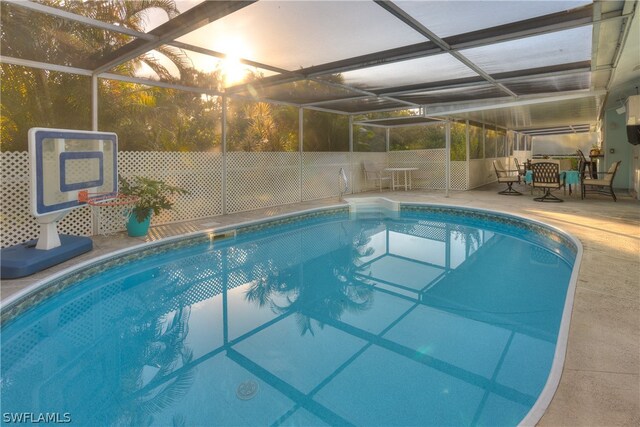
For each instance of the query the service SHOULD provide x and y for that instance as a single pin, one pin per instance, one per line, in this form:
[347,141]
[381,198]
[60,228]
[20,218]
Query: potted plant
[153,197]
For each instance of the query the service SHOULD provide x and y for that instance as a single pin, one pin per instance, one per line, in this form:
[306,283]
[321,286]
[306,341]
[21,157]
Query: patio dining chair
[506,176]
[522,169]
[546,176]
[587,163]
[375,174]
[602,185]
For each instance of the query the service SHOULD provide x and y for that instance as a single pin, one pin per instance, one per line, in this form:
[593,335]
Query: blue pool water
[381,319]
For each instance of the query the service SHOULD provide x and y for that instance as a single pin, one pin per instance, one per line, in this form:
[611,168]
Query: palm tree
[44,98]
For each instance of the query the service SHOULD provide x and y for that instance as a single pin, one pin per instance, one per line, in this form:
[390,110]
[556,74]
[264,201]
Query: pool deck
[600,384]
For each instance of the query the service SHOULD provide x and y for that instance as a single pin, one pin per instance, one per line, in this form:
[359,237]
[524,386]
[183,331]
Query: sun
[233,71]
[234,48]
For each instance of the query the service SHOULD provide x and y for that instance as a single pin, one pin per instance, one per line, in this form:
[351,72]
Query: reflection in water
[336,287]
[402,313]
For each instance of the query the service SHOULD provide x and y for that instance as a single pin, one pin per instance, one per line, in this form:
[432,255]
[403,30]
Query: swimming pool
[429,315]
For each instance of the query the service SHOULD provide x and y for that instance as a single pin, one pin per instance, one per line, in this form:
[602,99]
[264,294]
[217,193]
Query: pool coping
[212,233]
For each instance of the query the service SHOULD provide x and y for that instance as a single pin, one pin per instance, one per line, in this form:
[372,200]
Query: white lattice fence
[259,180]
[359,184]
[430,164]
[199,173]
[254,180]
[320,174]
[17,225]
[458,176]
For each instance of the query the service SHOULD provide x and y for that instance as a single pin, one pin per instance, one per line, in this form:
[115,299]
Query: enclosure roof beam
[526,28]
[38,7]
[530,27]
[333,101]
[44,66]
[441,110]
[403,16]
[194,18]
[156,83]
[550,23]
[54,11]
[508,77]
[209,52]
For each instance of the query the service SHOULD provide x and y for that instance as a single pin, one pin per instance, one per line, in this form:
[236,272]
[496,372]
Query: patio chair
[508,177]
[546,176]
[522,169]
[587,163]
[375,174]
[602,185]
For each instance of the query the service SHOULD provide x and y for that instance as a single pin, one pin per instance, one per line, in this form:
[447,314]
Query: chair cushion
[547,184]
[602,182]
[508,179]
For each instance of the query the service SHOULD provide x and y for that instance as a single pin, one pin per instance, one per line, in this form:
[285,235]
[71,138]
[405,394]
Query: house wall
[615,139]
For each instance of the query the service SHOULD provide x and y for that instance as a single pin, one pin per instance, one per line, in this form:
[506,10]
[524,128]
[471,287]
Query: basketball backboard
[64,162]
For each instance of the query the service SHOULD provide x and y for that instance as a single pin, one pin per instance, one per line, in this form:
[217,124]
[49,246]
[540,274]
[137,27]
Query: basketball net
[103,206]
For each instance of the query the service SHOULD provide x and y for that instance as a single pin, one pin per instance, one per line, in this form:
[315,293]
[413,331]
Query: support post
[468,156]
[224,155]
[301,149]
[447,164]
[94,102]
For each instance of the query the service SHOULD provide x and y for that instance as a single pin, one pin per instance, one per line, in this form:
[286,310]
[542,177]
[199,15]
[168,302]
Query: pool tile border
[555,236]
[47,289]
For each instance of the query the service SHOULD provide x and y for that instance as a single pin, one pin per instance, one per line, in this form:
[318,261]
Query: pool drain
[247,390]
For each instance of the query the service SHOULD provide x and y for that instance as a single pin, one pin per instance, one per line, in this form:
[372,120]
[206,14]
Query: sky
[299,34]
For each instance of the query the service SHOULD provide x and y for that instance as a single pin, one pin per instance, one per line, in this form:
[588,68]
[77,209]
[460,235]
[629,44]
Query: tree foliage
[150,118]
[146,118]
[417,137]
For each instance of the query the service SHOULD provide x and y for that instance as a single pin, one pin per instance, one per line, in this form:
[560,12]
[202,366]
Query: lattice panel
[260,180]
[17,223]
[417,157]
[77,222]
[320,177]
[199,173]
[359,184]
[254,180]
[431,165]
[458,176]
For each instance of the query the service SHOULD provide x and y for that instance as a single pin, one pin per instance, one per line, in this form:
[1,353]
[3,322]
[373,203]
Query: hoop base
[24,259]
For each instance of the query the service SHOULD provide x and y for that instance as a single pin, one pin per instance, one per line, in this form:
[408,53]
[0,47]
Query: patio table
[569,177]
[395,172]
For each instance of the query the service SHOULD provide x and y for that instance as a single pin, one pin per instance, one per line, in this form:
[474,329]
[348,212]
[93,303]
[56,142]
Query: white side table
[395,177]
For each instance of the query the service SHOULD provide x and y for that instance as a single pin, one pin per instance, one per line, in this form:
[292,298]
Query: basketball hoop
[114,207]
